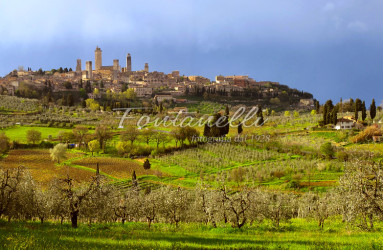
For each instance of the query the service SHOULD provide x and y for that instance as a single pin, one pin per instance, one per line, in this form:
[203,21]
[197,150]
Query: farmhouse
[344,123]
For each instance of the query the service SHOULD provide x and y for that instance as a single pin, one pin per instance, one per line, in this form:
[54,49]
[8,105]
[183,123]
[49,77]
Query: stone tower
[89,69]
[98,58]
[146,69]
[116,65]
[78,66]
[128,63]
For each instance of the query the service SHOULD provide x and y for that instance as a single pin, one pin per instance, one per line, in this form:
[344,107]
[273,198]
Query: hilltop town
[100,81]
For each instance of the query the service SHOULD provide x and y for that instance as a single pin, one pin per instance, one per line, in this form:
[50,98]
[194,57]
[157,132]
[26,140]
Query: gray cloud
[303,43]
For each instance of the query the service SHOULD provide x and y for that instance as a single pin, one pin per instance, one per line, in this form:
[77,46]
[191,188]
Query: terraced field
[42,168]
[118,168]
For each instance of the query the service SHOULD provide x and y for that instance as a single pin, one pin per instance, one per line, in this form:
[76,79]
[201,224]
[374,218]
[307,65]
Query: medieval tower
[128,63]
[98,58]
[88,68]
[116,65]
[78,66]
[146,69]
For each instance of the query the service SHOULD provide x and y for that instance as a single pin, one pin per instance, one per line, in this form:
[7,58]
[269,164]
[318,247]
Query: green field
[19,133]
[299,234]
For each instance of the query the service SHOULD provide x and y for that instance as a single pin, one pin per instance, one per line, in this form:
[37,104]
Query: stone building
[78,66]
[161,98]
[142,91]
[89,69]
[98,58]
[128,63]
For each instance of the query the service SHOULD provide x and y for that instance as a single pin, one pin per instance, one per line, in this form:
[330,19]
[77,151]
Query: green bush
[343,156]
[327,150]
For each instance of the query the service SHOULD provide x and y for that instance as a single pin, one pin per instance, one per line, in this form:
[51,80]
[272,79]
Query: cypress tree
[358,107]
[226,126]
[206,130]
[147,164]
[329,117]
[325,114]
[341,105]
[351,105]
[215,129]
[334,116]
[317,106]
[373,109]
[364,111]
[240,129]
[260,116]
[134,179]
[227,111]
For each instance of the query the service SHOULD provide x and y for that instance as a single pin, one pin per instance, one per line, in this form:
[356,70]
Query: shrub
[279,174]
[367,134]
[294,184]
[46,144]
[342,156]
[327,150]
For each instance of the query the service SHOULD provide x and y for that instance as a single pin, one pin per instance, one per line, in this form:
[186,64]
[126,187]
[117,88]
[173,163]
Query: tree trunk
[73,218]
[371,221]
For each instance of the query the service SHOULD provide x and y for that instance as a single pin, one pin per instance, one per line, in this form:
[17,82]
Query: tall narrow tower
[78,66]
[116,65]
[146,69]
[89,69]
[98,58]
[128,63]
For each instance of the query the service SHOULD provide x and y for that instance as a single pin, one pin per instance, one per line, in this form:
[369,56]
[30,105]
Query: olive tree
[362,189]
[319,207]
[58,153]
[72,196]
[33,136]
[175,205]
[4,144]
[9,184]
[279,207]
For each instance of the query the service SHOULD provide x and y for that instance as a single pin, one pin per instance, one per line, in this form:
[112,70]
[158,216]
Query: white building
[344,123]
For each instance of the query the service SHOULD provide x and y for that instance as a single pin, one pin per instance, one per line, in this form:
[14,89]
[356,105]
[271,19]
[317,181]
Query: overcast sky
[332,49]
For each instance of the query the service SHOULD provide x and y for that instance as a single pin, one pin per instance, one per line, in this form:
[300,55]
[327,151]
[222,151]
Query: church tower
[98,58]
[128,63]
[146,69]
